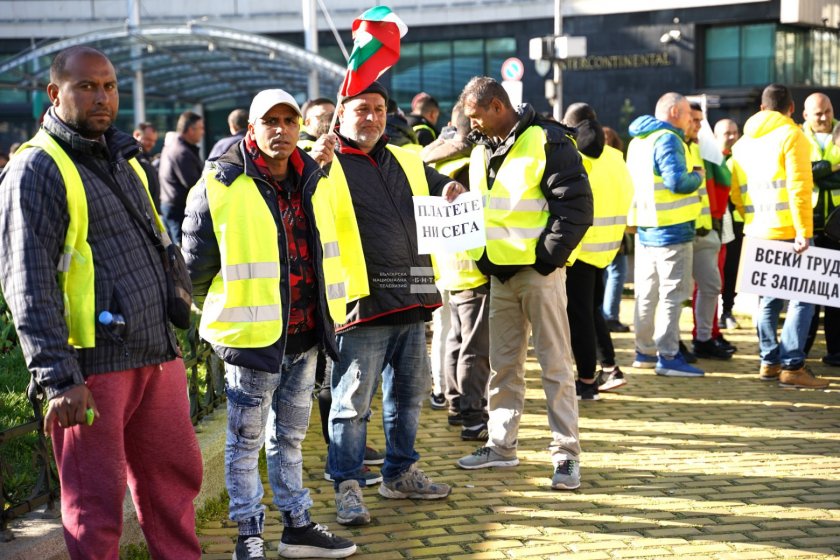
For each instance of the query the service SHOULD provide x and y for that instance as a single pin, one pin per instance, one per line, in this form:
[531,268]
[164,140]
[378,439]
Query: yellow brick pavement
[723,467]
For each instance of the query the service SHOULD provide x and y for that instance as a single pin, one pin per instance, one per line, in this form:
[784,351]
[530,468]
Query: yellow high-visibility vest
[457,270]
[831,154]
[243,304]
[515,209]
[612,192]
[704,220]
[421,126]
[76,271]
[305,145]
[654,205]
[763,183]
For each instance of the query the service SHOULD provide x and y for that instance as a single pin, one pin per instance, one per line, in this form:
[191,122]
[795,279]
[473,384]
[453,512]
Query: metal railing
[206,393]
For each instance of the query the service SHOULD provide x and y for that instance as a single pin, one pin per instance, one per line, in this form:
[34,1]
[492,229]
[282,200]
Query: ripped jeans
[281,402]
[364,353]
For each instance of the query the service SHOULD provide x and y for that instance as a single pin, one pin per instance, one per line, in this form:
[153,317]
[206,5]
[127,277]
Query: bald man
[726,134]
[825,163]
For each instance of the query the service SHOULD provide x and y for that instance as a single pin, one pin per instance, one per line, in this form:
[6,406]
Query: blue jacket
[668,163]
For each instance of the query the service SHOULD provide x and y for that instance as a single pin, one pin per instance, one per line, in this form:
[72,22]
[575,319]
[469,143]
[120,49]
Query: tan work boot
[769,372]
[802,378]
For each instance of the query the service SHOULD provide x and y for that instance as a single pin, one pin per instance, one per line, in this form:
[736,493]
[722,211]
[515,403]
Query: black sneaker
[710,349]
[614,325]
[455,419]
[610,381]
[687,356]
[313,541]
[587,391]
[475,433]
[248,547]
[726,345]
[438,402]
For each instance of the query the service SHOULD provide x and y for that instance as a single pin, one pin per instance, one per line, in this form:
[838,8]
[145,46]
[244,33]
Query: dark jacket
[385,213]
[424,136]
[398,131]
[145,161]
[180,169]
[447,148]
[201,252]
[669,163]
[129,276]
[223,145]
[564,184]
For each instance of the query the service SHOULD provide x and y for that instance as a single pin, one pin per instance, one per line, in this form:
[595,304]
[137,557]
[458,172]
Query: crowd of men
[301,244]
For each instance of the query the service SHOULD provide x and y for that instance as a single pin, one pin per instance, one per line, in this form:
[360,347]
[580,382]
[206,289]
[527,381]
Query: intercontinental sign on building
[617,61]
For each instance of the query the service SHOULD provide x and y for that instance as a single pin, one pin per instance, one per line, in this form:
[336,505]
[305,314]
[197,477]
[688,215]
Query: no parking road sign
[512,69]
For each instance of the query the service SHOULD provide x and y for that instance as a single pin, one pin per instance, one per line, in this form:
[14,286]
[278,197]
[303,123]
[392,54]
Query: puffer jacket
[564,184]
[385,214]
[201,251]
[446,148]
[669,163]
[129,277]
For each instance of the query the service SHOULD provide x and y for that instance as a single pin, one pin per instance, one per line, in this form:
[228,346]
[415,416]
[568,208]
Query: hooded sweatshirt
[794,156]
[668,163]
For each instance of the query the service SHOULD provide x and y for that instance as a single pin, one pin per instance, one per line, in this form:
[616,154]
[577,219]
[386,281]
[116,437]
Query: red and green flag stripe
[376,47]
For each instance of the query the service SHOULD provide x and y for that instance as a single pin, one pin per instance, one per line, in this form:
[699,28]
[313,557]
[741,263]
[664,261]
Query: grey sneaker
[349,506]
[414,484]
[484,457]
[566,475]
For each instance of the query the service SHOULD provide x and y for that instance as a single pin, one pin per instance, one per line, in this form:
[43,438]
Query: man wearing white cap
[266,266]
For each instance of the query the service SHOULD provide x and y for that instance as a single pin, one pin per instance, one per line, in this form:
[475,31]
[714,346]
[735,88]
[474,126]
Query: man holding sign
[772,164]
[387,328]
[538,207]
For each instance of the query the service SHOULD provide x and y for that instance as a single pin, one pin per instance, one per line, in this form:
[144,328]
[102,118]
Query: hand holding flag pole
[376,47]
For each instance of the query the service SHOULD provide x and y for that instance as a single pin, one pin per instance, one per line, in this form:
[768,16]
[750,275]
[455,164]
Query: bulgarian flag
[376,47]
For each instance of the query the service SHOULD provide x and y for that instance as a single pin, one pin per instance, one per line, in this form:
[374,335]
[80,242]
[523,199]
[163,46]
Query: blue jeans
[614,277]
[364,353]
[790,351]
[281,401]
[172,218]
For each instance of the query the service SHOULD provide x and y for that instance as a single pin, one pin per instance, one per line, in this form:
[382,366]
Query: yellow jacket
[771,164]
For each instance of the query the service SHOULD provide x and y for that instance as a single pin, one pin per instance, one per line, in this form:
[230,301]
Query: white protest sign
[449,227]
[771,268]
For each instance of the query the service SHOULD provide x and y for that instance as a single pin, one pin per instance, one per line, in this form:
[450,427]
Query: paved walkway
[721,467]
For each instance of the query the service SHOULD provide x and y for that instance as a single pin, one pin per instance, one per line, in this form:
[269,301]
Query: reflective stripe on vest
[654,205]
[421,126]
[765,194]
[457,270]
[242,308]
[515,209]
[612,192]
[831,154]
[76,271]
[704,220]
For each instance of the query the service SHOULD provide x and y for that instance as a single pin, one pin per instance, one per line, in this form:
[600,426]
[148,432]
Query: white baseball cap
[267,99]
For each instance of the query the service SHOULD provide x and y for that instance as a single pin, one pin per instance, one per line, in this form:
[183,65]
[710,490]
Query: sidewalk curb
[38,536]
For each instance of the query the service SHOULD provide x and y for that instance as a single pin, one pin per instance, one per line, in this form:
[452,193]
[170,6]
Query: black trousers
[590,336]
[831,315]
[730,268]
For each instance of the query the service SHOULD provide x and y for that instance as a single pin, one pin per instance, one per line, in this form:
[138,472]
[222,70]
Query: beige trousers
[530,302]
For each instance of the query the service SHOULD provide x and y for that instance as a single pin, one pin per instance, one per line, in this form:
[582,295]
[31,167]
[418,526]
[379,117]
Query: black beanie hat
[375,87]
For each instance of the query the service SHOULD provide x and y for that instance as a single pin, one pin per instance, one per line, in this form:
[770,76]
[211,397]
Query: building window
[443,68]
[742,55]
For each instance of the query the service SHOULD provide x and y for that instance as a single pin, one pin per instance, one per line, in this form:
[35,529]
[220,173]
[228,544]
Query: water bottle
[114,323]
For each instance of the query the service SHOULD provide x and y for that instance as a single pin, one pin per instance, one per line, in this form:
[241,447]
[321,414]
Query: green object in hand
[89,416]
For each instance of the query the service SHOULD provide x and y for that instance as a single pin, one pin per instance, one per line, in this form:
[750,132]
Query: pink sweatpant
[143,438]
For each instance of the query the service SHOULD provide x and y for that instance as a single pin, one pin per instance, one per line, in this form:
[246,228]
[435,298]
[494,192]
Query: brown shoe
[802,378]
[769,372]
